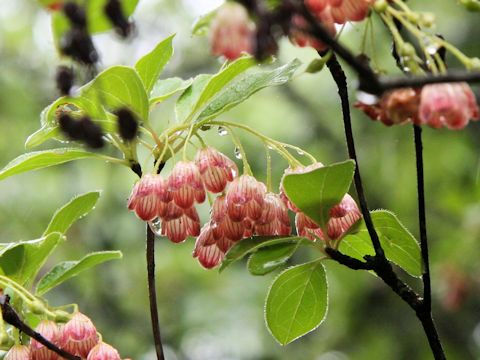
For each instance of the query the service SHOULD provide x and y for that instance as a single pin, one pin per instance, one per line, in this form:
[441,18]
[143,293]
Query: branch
[341,81]
[347,261]
[12,318]
[427,291]
[152,291]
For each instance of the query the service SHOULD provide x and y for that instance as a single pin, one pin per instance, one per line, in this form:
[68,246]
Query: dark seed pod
[78,44]
[76,15]
[127,124]
[64,79]
[70,127]
[114,12]
[92,133]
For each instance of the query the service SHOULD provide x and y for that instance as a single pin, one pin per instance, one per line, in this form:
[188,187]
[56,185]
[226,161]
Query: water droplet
[238,153]
[156,226]
[270,147]
[406,69]
[432,49]
[222,131]
[234,173]
[367,98]
[178,133]
[300,152]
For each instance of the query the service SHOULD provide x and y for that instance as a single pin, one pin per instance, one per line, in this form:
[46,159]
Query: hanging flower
[450,105]
[215,168]
[149,197]
[232,32]
[185,184]
[80,335]
[342,217]
[103,351]
[274,219]
[299,31]
[50,331]
[178,229]
[18,352]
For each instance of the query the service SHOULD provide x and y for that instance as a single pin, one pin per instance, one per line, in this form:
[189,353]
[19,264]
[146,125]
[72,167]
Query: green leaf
[252,244]
[68,269]
[42,159]
[151,65]
[75,209]
[165,88]
[297,302]
[202,24]
[220,80]
[43,134]
[267,259]
[21,261]
[245,85]
[399,244]
[118,86]
[190,96]
[315,192]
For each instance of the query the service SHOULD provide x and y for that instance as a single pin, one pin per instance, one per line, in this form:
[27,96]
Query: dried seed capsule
[127,124]
[76,14]
[64,79]
[114,12]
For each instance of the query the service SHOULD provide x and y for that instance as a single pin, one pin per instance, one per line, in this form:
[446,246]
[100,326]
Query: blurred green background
[205,315]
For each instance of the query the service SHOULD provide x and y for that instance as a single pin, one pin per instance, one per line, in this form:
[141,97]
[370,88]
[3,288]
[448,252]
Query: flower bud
[448,104]
[50,331]
[299,31]
[185,184]
[80,335]
[231,32]
[103,351]
[149,197]
[18,352]
[350,10]
[215,168]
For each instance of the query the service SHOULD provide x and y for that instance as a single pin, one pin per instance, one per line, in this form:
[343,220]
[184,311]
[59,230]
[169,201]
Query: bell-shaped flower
[299,31]
[215,168]
[50,331]
[207,249]
[185,184]
[449,105]
[342,217]
[306,227]
[18,352]
[232,32]
[149,197]
[103,351]
[80,335]
[244,198]
[274,219]
[178,229]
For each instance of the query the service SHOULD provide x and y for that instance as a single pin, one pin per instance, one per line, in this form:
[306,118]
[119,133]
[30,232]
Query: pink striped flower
[342,217]
[222,225]
[449,105]
[149,197]
[215,168]
[103,351]
[80,335]
[50,331]
[274,219]
[209,251]
[185,184]
[244,198]
[232,32]
[178,229]
[306,227]
[18,352]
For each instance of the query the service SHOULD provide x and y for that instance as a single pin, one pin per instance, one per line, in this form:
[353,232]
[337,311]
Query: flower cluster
[232,32]
[243,207]
[78,337]
[450,105]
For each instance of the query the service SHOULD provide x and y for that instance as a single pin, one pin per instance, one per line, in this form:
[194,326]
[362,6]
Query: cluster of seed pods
[243,207]
[78,337]
[450,105]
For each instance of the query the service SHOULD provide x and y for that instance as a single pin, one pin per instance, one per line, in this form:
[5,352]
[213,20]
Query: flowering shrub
[110,118]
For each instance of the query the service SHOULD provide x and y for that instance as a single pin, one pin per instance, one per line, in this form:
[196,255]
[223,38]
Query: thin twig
[427,291]
[11,317]
[341,81]
[152,291]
